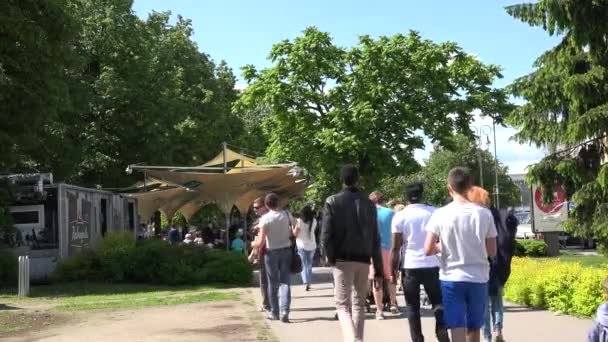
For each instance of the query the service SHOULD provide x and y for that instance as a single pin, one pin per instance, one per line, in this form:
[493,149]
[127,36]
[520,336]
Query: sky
[243,32]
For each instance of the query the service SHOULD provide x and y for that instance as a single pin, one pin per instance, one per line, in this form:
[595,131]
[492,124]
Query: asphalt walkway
[312,320]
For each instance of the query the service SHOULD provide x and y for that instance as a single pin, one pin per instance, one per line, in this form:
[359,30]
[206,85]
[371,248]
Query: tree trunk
[552,241]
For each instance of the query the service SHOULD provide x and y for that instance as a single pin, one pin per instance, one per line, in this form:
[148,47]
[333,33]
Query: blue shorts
[465,304]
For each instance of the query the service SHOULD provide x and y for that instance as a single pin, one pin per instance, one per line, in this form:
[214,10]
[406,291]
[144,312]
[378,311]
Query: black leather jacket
[350,229]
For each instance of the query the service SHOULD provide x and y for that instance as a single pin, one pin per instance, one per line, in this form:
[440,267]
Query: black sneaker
[285,319]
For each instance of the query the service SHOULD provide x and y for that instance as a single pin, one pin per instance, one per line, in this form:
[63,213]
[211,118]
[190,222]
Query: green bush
[8,268]
[83,266]
[557,286]
[119,259]
[531,248]
[116,251]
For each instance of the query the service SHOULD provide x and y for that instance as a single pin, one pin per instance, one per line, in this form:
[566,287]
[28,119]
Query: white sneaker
[379,316]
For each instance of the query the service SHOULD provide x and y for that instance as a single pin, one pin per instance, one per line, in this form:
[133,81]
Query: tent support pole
[227,216]
[224,147]
[245,233]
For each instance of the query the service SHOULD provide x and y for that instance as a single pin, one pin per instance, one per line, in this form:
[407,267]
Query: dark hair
[349,175]
[460,180]
[271,201]
[377,197]
[307,215]
[413,192]
[260,200]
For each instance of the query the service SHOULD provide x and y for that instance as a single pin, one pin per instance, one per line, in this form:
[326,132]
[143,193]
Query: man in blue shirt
[385,218]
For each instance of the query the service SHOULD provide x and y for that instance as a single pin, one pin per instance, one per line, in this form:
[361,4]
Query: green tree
[367,105]
[434,173]
[139,91]
[35,52]
[567,108]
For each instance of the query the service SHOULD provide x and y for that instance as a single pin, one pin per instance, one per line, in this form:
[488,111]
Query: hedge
[8,269]
[531,248]
[563,287]
[119,259]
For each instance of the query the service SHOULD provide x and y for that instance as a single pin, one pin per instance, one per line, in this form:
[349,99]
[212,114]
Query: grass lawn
[597,261]
[45,303]
[90,296]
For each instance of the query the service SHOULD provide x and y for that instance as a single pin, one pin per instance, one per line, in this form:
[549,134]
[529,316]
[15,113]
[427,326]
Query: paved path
[312,320]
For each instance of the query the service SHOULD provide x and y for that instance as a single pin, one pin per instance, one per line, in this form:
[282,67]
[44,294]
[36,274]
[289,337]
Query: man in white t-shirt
[409,232]
[464,235]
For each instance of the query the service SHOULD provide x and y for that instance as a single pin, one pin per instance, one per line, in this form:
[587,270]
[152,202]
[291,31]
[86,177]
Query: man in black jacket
[350,239]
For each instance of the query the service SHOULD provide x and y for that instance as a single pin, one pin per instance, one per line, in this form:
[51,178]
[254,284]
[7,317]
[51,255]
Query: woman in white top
[304,231]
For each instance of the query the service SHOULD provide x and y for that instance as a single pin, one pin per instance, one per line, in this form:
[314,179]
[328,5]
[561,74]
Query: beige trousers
[350,289]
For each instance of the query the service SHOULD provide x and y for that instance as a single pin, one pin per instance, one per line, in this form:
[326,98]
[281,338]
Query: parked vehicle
[524,229]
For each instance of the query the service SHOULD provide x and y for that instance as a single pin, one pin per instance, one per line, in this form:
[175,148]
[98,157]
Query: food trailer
[55,221]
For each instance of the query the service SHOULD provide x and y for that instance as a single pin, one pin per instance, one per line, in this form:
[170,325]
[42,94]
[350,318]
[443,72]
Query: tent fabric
[230,157]
[238,187]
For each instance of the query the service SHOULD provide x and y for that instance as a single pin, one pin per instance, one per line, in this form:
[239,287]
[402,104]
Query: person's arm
[261,238]
[491,235]
[397,242]
[376,250]
[297,228]
[259,242]
[431,246]
[327,234]
[491,246]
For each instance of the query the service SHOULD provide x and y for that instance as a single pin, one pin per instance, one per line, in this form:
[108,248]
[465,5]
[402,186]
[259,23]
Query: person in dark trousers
[409,234]
[260,210]
[350,240]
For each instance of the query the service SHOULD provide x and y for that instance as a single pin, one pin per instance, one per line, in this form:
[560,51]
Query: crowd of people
[459,254]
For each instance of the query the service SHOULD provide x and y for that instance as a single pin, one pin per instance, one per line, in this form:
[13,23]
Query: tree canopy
[97,88]
[434,174]
[369,105]
[567,108]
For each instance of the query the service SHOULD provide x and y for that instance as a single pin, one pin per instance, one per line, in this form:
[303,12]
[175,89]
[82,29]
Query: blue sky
[242,32]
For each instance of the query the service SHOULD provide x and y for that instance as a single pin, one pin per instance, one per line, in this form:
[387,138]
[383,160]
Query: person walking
[259,209]
[500,264]
[409,235]
[276,231]
[384,217]
[464,235]
[304,231]
[350,240]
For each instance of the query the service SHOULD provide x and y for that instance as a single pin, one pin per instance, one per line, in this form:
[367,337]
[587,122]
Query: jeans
[495,315]
[350,289]
[264,281]
[306,265]
[278,264]
[429,278]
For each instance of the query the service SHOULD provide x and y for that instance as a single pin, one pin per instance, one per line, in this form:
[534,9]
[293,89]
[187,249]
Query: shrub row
[568,288]
[531,248]
[119,259]
[8,269]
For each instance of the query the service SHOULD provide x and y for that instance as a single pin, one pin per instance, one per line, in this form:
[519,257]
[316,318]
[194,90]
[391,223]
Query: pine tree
[567,106]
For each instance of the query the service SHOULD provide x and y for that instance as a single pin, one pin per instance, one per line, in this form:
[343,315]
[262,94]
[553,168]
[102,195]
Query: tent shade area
[228,180]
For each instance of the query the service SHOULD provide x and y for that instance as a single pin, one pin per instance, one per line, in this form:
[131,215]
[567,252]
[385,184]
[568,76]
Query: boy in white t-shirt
[464,235]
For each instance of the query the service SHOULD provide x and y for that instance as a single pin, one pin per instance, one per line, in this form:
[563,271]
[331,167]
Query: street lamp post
[480,132]
[497,188]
